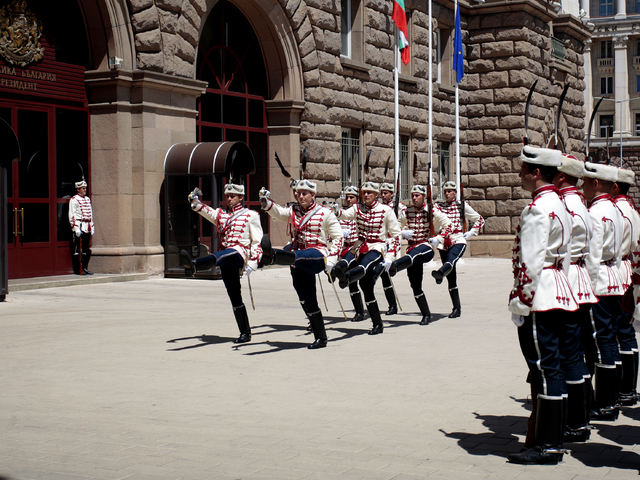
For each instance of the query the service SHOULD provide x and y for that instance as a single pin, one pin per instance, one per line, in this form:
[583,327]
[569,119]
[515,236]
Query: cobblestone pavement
[141,380]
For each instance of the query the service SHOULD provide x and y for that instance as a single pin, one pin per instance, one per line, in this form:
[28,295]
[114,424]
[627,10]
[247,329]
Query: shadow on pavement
[204,341]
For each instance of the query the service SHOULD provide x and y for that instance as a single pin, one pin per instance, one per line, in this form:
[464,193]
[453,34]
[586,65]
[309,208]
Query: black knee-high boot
[577,429]
[627,393]
[320,334]
[423,305]
[605,393]
[376,319]
[242,319]
[356,298]
[455,299]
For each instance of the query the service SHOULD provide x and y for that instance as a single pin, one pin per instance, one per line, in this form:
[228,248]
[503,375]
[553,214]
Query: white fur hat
[571,166]
[307,185]
[293,184]
[449,186]
[626,176]
[234,189]
[370,187]
[421,189]
[600,171]
[387,186]
[351,190]
[81,184]
[541,156]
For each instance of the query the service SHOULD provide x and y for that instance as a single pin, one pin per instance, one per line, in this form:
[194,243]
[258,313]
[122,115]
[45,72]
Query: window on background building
[638,40]
[637,83]
[606,126]
[444,166]
[636,131]
[350,159]
[405,168]
[606,85]
[606,49]
[606,7]
[352,30]
[407,69]
[444,56]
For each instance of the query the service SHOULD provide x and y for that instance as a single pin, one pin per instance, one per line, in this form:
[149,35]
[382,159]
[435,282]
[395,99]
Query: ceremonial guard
[424,229]
[378,245]
[312,228]
[540,298]
[623,327]
[460,214]
[578,323]
[350,233]
[603,263]
[240,234]
[386,198]
[81,221]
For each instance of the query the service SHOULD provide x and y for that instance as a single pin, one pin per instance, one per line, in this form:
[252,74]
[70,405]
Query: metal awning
[209,157]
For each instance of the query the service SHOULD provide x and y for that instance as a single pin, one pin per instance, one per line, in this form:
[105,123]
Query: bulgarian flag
[399,16]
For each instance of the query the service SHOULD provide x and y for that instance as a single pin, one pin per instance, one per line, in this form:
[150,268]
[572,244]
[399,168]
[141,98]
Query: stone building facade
[324,80]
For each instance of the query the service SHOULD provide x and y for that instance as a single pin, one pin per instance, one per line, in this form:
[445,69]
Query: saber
[564,94]
[395,293]
[593,116]
[336,292]
[525,138]
[251,292]
[323,297]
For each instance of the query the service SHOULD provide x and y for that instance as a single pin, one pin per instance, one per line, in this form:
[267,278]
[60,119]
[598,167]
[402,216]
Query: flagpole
[396,68]
[458,190]
[430,144]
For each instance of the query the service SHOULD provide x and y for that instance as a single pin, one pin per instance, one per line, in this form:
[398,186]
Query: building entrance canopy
[203,165]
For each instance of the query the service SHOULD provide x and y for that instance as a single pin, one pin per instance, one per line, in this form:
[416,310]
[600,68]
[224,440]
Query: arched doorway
[44,101]
[233,108]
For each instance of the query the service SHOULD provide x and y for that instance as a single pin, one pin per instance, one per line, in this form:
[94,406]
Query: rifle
[463,217]
[396,202]
[432,228]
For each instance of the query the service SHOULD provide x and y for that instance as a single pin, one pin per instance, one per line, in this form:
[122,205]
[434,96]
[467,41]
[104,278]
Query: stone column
[621,9]
[135,118]
[283,117]
[621,83]
[585,5]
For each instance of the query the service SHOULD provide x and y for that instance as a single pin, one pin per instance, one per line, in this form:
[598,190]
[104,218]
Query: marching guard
[603,263]
[455,244]
[576,372]
[387,191]
[350,232]
[416,222]
[81,221]
[377,247]
[240,234]
[623,327]
[311,226]
[540,298]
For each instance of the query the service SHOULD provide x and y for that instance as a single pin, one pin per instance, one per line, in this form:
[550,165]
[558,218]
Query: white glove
[518,320]
[387,264]
[433,241]
[346,232]
[329,266]
[468,235]
[77,231]
[195,204]
[248,271]
[263,194]
[407,234]
[335,208]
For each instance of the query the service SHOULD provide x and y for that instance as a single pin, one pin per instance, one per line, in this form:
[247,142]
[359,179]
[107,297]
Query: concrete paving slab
[141,380]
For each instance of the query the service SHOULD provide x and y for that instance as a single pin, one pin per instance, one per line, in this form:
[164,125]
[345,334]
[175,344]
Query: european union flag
[458,58]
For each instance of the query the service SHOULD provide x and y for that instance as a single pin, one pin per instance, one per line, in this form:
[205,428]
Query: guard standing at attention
[416,222]
[455,244]
[312,227]
[81,220]
[540,298]
[603,263]
[378,245]
[240,234]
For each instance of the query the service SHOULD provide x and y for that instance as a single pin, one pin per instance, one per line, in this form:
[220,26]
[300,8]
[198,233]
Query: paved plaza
[141,380]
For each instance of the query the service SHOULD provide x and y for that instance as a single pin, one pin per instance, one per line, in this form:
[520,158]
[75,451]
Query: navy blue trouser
[368,262]
[451,257]
[420,255]
[598,337]
[308,264]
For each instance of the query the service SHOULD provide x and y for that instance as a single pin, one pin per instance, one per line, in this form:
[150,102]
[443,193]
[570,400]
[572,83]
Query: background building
[120,82]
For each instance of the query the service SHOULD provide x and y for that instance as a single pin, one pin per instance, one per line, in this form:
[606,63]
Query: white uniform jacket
[453,211]
[541,256]
[81,214]
[580,235]
[310,228]
[630,237]
[239,229]
[605,247]
[378,228]
[417,219]
[351,238]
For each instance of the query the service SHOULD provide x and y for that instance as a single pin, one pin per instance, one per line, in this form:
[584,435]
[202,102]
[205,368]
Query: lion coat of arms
[20,33]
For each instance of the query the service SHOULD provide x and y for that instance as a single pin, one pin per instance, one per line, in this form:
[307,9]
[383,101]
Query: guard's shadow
[204,339]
